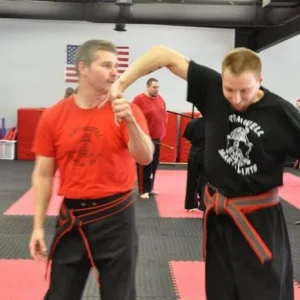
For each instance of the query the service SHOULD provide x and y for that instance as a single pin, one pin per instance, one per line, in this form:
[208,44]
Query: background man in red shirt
[154,108]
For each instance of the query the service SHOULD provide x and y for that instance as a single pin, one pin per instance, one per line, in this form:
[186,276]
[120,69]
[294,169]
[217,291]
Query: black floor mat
[160,240]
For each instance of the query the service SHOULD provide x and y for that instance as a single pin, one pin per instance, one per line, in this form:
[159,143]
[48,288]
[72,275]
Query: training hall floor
[169,263]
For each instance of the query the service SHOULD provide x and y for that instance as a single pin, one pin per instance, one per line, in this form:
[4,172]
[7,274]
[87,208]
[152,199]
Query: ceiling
[200,13]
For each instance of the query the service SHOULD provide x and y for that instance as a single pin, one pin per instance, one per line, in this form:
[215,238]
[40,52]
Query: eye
[105,65]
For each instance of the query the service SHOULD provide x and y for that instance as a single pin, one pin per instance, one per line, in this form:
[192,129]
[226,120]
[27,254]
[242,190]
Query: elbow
[162,54]
[147,156]
[145,161]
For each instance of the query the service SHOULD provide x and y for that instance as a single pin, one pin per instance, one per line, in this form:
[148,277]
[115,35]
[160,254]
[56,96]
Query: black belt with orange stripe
[75,219]
[237,208]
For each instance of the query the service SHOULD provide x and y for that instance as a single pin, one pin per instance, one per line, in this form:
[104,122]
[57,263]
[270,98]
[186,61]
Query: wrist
[121,84]
[38,225]
[131,121]
[38,228]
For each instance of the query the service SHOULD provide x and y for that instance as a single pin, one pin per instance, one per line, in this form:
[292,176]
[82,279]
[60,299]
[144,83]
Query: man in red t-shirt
[154,108]
[96,157]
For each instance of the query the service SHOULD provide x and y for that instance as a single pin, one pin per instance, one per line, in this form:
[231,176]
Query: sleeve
[202,81]
[292,131]
[43,143]
[140,119]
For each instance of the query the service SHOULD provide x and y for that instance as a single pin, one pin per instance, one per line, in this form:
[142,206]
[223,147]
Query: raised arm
[202,81]
[157,57]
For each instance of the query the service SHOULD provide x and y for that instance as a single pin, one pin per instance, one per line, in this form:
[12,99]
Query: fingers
[122,110]
[38,250]
[120,105]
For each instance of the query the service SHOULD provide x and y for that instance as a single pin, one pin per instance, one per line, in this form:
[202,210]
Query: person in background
[195,133]
[296,162]
[153,106]
[69,91]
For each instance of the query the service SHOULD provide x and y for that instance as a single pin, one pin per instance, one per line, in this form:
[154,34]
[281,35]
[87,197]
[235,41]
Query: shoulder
[56,109]
[160,97]
[138,98]
[202,72]
[277,101]
[282,106]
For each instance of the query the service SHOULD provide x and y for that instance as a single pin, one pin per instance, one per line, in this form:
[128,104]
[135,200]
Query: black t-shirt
[194,132]
[244,151]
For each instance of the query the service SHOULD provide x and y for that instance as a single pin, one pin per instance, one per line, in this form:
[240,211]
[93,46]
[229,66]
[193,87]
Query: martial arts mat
[25,205]
[189,280]
[169,264]
[28,119]
[170,186]
[290,191]
[22,280]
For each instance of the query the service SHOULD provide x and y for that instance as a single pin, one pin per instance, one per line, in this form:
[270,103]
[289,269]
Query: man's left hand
[122,110]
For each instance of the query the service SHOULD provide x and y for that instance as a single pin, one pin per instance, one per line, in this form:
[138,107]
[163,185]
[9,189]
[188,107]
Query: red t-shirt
[91,152]
[155,112]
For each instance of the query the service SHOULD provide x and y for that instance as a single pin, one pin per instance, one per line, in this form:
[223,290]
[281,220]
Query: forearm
[157,57]
[140,144]
[42,190]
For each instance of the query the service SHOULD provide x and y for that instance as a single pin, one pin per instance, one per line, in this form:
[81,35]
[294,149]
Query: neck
[147,94]
[259,96]
[88,98]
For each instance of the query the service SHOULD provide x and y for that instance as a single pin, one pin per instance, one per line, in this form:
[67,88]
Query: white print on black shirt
[239,146]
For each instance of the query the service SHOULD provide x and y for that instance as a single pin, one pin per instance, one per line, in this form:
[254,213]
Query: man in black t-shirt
[248,132]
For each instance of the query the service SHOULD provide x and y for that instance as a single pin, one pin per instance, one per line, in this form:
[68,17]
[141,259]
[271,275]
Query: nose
[237,99]
[114,71]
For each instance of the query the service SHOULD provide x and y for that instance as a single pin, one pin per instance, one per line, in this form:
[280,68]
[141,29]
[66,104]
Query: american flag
[70,70]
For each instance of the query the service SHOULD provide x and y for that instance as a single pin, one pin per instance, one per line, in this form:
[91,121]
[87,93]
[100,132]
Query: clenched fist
[122,110]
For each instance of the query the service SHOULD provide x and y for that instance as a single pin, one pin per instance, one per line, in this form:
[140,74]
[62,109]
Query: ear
[261,79]
[82,68]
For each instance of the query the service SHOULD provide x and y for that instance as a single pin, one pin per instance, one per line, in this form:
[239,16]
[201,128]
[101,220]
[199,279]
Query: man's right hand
[37,245]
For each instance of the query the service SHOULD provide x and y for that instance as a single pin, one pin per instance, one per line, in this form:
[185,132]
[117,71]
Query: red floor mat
[22,280]
[24,206]
[189,280]
[290,191]
[170,186]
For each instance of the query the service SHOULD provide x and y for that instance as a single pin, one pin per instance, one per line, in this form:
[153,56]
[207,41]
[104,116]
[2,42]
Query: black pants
[233,272]
[114,246]
[195,180]
[146,174]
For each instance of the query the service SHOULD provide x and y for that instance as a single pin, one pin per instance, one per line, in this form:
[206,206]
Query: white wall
[33,56]
[281,64]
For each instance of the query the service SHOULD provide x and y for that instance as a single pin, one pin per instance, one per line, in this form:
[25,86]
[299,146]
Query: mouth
[239,108]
